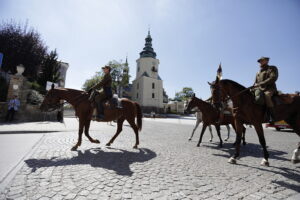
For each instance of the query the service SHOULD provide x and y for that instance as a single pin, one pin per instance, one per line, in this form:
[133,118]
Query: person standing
[13,106]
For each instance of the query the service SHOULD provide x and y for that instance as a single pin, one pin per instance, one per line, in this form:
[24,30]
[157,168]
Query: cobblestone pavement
[166,166]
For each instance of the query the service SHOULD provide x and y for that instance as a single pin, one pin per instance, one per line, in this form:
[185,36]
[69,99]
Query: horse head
[191,104]
[51,101]
[217,93]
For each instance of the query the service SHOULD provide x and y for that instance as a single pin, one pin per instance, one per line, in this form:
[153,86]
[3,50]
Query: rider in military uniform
[106,93]
[265,81]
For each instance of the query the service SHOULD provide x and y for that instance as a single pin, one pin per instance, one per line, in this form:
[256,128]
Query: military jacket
[266,78]
[106,82]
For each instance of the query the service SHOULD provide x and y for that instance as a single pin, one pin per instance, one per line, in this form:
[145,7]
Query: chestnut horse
[210,116]
[246,111]
[84,110]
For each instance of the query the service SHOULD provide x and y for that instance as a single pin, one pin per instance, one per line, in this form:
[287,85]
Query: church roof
[148,51]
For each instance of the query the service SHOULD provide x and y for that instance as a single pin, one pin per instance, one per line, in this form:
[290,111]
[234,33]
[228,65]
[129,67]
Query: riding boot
[100,111]
[271,115]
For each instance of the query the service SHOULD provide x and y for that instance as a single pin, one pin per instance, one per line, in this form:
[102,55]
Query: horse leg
[219,135]
[136,131]
[80,131]
[211,135]
[119,129]
[260,132]
[239,129]
[202,132]
[197,124]
[86,132]
[295,124]
[228,131]
[243,137]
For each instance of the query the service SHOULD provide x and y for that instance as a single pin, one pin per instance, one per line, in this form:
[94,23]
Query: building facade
[147,88]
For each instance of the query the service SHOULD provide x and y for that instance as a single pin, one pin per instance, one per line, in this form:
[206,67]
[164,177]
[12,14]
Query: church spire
[148,51]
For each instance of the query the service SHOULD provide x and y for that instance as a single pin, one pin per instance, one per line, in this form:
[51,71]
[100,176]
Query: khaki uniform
[266,79]
[104,84]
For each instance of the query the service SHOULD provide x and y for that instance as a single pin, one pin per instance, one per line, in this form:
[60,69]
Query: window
[137,86]
[153,69]
[138,69]
[153,85]
[153,95]
[137,95]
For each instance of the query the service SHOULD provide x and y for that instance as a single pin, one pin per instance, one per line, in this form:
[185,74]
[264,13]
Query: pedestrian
[13,106]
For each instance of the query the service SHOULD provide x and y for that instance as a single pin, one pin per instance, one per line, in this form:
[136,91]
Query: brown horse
[246,111]
[210,116]
[84,110]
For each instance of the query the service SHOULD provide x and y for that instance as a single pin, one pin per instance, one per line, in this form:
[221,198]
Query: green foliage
[3,89]
[185,94]
[88,84]
[119,73]
[49,70]
[36,86]
[34,98]
[21,45]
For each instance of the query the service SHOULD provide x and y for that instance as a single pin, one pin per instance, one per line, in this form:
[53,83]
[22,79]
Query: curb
[11,174]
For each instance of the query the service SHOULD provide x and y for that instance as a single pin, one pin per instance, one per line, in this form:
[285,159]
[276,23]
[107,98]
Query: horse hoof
[198,145]
[244,143]
[210,140]
[96,141]
[226,140]
[135,147]
[232,160]
[190,139]
[108,144]
[74,148]
[264,162]
[234,144]
[220,145]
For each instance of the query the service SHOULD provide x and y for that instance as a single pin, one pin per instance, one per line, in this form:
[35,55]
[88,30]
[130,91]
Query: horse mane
[228,81]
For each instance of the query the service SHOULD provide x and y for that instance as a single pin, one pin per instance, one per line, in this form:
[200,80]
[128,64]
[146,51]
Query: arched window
[153,85]
[153,95]
[137,95]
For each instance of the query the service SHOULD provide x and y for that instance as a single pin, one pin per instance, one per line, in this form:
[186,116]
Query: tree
[187,92]
[119,73]
[49,69]
[21,45]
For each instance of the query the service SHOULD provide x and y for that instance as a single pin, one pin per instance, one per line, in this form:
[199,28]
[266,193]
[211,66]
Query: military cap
[107,67]
[263,58]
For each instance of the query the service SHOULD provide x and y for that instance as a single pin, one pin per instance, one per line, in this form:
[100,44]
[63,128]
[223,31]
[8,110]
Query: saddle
[113,103]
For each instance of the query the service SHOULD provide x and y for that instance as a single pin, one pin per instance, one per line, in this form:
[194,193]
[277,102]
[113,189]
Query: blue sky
[190,37]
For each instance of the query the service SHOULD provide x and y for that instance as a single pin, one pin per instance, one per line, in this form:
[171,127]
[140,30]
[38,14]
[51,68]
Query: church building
[147,88]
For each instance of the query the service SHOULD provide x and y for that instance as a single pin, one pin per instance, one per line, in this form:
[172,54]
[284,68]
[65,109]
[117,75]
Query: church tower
[148,86]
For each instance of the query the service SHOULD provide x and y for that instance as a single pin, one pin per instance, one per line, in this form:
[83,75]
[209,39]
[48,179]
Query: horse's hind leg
[136,131]
[211,135]
[219,135]
[228,131]
[119,129]
[86,132]
[197,124]
[80,131]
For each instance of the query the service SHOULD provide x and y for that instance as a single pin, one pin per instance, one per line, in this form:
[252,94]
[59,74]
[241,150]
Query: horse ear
[217,79]
[194,95]
[52,86]
[209,83]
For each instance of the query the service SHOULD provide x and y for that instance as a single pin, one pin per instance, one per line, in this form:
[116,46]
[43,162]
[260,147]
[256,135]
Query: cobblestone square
[166,166]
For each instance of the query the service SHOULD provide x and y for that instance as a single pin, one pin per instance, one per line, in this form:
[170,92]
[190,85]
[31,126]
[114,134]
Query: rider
[105,94]
[265,81]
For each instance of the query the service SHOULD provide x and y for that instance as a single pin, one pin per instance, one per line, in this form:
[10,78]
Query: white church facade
[147,88]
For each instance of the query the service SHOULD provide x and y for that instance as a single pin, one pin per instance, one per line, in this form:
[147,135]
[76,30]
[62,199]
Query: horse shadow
[118,160]
[250,149]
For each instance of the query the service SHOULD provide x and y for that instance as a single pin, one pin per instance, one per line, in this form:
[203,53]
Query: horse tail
[139,116]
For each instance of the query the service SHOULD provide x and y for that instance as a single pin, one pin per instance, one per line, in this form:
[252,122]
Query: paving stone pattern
[166,166]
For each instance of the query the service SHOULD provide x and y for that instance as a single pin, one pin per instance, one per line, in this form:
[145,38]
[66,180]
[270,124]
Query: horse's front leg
[211,135]
[197,124]
[80,131]
[86,132]
[202,132]
[219,135]
[239,129]
[228,131]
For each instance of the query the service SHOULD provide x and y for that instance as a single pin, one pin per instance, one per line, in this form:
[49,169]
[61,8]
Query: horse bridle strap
[239,93]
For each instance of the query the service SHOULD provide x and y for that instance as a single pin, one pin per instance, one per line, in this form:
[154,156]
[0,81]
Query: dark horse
[84,110]
[246,111]
[210,116]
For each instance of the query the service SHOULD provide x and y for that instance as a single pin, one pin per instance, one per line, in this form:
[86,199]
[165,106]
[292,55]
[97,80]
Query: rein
[239,93]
